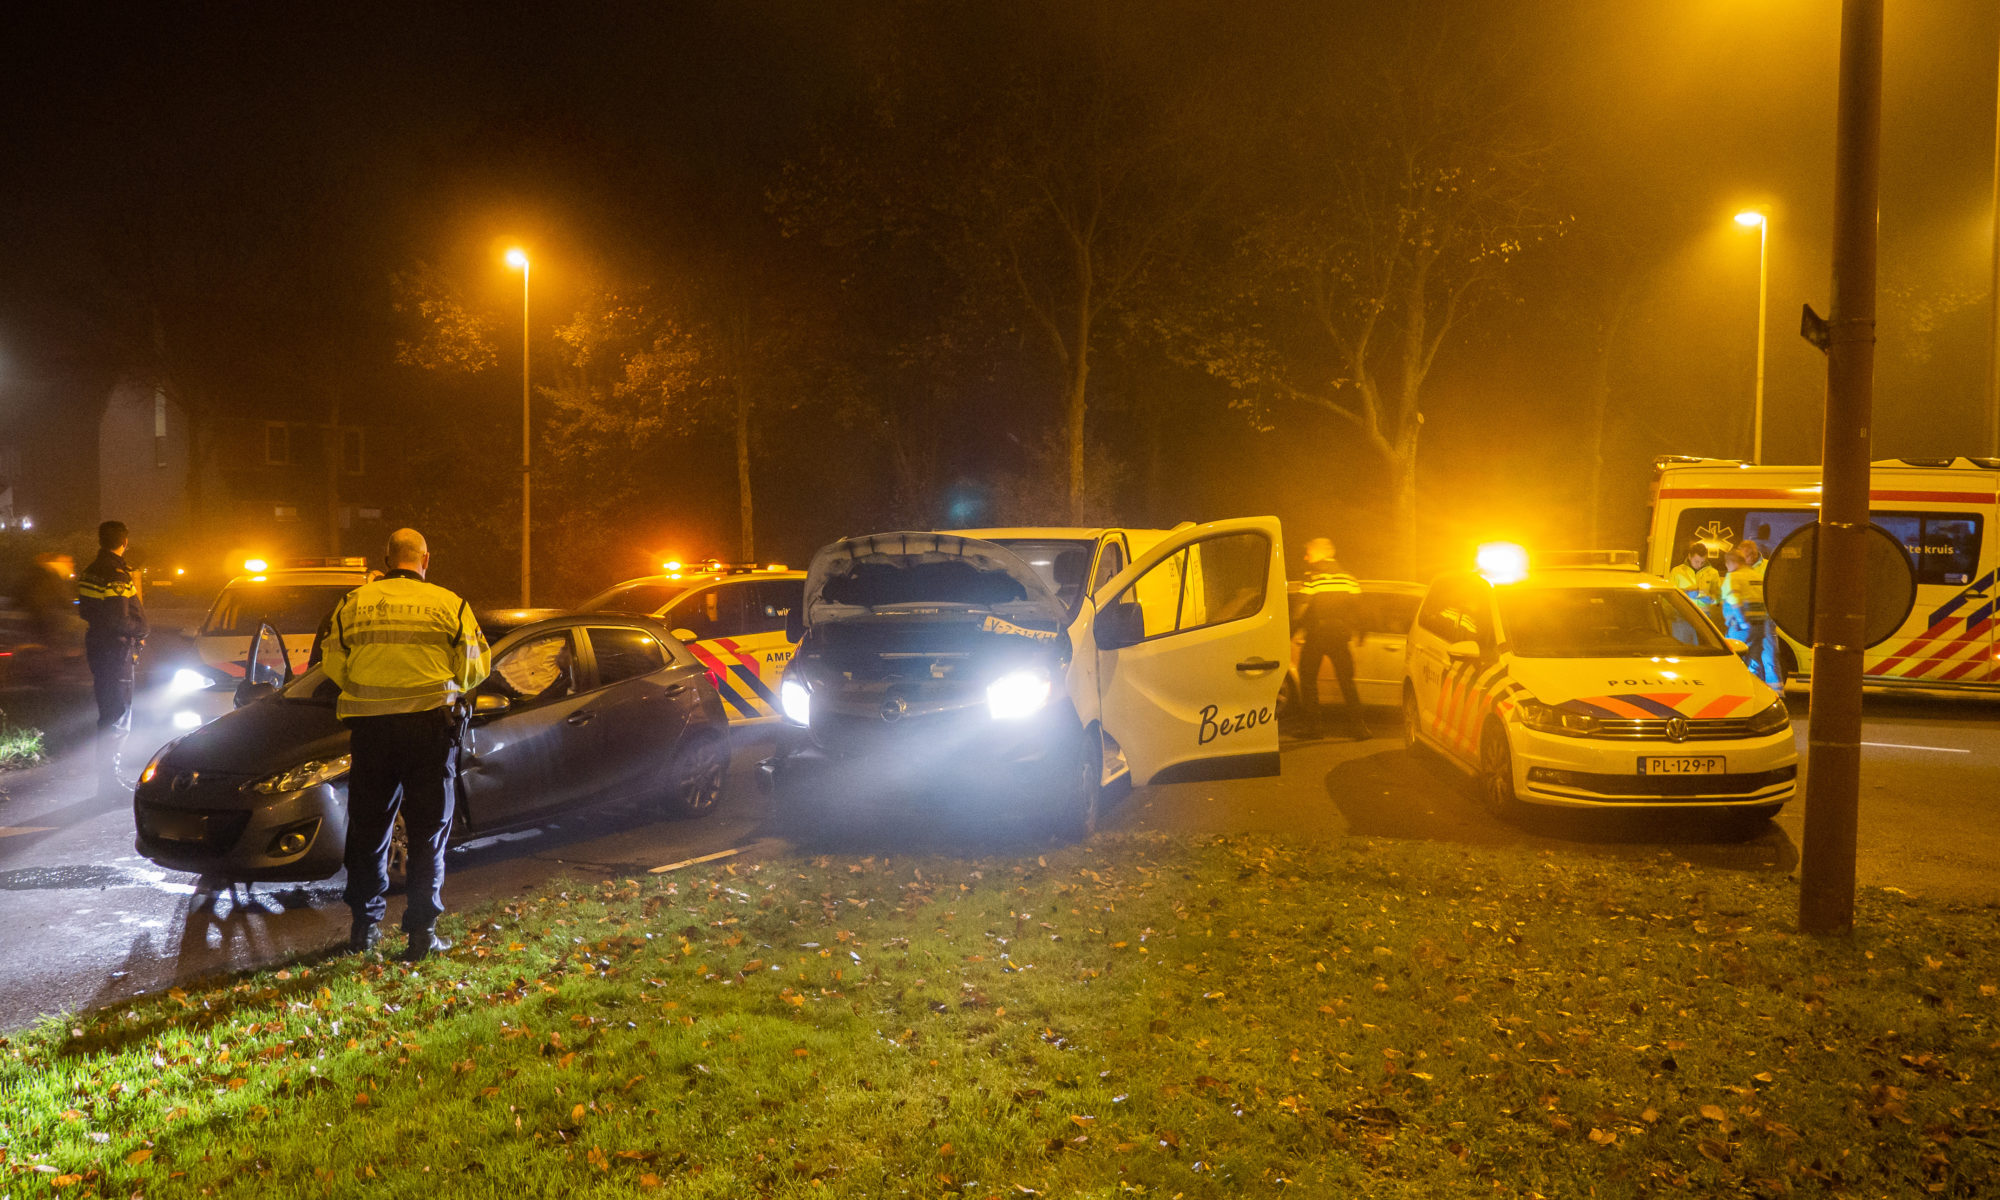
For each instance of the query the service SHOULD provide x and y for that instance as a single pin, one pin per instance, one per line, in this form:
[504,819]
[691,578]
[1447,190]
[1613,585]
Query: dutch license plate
[1707,764]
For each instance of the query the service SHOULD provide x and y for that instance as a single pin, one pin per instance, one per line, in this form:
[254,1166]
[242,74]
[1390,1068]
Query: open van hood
[883,573]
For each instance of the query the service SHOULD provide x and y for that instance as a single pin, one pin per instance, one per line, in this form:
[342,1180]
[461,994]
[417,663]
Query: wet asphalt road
[84,921]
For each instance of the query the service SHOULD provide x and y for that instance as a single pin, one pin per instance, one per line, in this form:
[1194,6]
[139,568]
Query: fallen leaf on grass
[1714,1113]
[1650,1115]
[1712,1149]
[576,1114]
[649,1180]
[361,1099]
[1082,1121]
[946,1151]
[1604,1137]
[138,1156]
[63,1181]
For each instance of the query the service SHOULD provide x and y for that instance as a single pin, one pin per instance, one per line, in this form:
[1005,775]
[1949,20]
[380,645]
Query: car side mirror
[795,625]
[1463,652]
[1736,645]
[1121,625]
[250,693]
[685,635]
[486,704]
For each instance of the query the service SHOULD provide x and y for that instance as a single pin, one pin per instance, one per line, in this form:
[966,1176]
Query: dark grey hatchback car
[580,709]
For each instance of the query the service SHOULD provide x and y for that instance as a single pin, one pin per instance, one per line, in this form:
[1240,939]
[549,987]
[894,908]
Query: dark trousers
[111,673]
[1330,646]
[404,762]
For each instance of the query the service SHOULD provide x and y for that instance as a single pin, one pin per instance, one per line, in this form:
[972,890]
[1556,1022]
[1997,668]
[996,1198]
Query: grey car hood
[1039,608]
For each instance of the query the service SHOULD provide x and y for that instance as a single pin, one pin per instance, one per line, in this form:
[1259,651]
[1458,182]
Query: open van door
[1191,642]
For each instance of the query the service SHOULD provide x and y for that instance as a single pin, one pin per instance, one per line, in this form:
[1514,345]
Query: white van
[1941,509]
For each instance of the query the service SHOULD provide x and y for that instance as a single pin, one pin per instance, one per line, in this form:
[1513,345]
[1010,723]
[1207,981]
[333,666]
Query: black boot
[362,936]
[423,943]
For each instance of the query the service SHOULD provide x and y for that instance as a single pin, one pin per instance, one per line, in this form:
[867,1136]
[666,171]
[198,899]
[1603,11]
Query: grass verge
[1135,1017]
[19,746]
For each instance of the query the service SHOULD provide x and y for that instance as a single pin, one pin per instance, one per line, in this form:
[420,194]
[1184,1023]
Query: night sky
[258,176]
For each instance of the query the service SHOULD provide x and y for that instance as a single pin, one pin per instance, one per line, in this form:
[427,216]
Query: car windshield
[289,608]
[953,581]
[1612,622]
[1063,563]
[641,596]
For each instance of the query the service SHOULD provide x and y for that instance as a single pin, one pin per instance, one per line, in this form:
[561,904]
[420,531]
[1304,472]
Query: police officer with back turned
[107,598]
[405,652]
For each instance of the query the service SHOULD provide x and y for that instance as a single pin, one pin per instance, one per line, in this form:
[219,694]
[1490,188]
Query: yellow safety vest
[1704,587]
[401,645]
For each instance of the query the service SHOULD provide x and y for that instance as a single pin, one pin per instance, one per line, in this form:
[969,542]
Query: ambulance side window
[768,600]
[710,613]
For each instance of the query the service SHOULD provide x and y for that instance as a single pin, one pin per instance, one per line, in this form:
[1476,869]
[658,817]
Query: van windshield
[1622,622]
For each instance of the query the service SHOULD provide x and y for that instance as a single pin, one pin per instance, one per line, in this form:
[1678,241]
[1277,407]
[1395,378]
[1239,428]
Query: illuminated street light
[1750,218]
[518,259]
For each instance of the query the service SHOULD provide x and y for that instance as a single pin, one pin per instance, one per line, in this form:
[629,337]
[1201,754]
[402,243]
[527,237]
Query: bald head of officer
[408,552]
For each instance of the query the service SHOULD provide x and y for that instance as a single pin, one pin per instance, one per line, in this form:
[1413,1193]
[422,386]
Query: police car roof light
[1502,562]
[308,564]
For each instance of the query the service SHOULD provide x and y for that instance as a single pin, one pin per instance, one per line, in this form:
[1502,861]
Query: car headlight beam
[187,680]
[796,701]
[305,775]
[1018,694]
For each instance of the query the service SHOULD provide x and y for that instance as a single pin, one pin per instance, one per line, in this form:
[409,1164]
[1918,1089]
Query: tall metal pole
[1993,341]
[1833,774]
[1763,308]
[525,266]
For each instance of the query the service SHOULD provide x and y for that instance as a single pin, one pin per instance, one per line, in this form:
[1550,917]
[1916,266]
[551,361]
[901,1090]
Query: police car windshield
[288,608]
[1612,622]
[641,596]
[1061,562]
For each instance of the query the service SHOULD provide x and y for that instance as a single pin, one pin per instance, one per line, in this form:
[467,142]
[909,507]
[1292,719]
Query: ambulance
[1940,510]
[731,616]
[1581,682]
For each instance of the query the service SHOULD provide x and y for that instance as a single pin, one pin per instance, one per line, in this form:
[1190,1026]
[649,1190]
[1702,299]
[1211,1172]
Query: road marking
[689,862]
[18,830]
[1932,749]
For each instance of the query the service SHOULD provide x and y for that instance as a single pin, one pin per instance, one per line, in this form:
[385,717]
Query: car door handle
[1256,666]
[677,689]
[580,718]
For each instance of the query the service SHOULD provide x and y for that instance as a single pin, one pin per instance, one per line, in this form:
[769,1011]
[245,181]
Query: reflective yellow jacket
[401,645]
[1704,587]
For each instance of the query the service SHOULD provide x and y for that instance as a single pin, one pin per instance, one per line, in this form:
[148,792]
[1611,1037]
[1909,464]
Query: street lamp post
[518,259]
[1762,222]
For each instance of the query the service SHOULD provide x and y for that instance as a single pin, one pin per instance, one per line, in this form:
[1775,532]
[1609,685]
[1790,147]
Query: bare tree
[1397,208]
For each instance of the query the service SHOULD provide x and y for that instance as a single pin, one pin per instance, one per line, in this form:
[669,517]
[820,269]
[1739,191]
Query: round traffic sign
[1789,584]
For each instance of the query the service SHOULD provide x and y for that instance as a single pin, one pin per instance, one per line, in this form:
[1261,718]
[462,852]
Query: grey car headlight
[305,775]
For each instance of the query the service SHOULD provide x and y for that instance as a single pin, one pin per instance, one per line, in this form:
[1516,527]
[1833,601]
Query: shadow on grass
[1388,795]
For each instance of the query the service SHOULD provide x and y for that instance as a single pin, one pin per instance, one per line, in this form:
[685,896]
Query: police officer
[1329,595]
[108,599]
[404,653]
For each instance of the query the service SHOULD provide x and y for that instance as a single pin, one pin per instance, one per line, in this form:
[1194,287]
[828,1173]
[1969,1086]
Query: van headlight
[1546,718]
[305,775]
[796,701]
[1771,720]
[1018,694]
[188,680]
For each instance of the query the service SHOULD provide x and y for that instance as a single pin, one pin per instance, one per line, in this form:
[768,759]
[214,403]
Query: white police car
[1584,683]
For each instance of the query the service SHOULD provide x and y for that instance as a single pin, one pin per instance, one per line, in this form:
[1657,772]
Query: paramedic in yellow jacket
[405,653]
[1698,581]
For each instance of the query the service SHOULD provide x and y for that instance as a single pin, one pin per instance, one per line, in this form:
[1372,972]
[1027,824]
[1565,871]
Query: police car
[291,599]
[1581,682]
[731,616]
[954,671]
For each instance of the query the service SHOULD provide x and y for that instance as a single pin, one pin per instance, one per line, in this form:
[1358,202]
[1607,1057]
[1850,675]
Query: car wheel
[700,778]
[1413,724]
[399,855]
[1496,773]
[1075,816]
